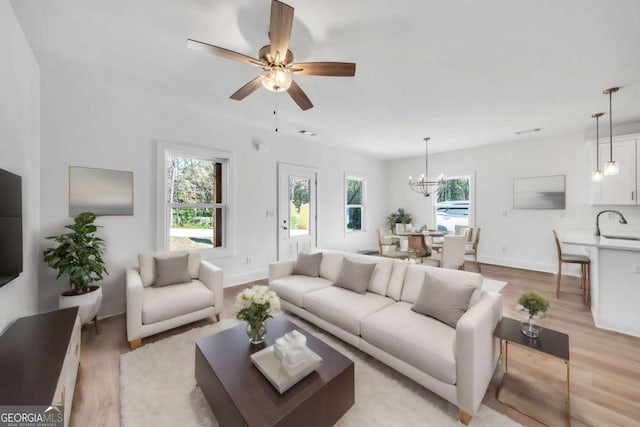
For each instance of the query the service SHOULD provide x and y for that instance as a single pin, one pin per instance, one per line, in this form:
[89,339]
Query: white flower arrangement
[256,304]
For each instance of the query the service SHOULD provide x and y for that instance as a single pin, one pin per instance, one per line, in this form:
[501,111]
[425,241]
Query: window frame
[166,149]
[352,176]
[472,196]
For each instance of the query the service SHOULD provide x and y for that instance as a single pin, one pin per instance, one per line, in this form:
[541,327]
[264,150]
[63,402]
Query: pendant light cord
[610,129]
[597,143]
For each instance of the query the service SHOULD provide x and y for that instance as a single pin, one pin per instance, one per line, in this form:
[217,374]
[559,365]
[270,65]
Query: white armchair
[151,310]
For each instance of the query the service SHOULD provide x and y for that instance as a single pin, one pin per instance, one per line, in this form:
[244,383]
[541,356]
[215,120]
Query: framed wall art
[101,191]
[539,192]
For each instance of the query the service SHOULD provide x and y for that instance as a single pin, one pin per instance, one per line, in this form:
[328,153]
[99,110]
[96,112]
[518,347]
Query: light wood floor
[605,366]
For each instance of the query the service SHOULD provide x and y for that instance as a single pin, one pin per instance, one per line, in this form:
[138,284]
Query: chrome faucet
[622,220]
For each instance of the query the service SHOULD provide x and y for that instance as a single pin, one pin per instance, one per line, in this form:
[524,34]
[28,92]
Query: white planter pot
[403,228]
[404,245]
[88,304]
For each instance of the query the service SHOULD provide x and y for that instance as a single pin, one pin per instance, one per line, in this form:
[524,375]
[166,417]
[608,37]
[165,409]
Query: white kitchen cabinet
[621,189]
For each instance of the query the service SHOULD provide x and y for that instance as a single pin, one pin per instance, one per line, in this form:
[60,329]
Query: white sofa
[455,363]
[151,310]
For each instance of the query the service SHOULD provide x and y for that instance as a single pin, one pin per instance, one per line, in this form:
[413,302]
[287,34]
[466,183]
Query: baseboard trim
[527,265]
[240,279]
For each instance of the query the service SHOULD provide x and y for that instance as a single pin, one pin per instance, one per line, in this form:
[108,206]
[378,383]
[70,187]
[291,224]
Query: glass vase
[256,332]
[530,325]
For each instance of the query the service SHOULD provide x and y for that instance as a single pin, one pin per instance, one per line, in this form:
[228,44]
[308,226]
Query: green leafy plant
[399,217]
[533,302]
[78,255]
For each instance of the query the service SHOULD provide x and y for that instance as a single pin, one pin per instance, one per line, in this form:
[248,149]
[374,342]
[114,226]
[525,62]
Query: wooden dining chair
[464,229]
[472,249]
[585,267]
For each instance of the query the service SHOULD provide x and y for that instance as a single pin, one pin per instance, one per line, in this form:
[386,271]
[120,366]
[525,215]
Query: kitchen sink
[611,236]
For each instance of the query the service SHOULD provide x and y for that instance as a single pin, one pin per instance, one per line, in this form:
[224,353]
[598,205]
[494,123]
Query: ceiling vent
[522,132]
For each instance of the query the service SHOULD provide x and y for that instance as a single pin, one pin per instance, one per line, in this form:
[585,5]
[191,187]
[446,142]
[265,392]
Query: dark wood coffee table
[240,395]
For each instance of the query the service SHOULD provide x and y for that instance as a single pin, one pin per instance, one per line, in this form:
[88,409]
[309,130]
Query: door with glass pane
[296,210]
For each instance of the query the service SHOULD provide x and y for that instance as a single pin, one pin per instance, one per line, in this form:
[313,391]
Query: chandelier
[423,185]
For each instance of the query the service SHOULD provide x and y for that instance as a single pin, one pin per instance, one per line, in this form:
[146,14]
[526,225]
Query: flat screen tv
[10,226]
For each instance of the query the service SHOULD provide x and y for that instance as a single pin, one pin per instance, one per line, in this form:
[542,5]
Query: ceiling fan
[276,60]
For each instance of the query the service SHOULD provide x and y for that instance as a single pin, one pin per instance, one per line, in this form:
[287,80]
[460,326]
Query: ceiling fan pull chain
[275,111]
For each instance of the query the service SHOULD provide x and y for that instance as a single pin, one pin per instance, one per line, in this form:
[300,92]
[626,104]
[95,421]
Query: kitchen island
[615,280]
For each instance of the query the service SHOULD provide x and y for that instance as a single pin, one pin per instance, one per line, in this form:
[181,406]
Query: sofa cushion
[443,300]
[308,264]
[394,290]
[415,276]
[344,308]
[330,268]
[171,270]
[421,341]
[355,276]
[293,288]
[167,302]
[330,264]
[147,268]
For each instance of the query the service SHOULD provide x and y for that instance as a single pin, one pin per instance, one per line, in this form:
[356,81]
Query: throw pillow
[355,275]
[172,270]
[442,300]
[308,264]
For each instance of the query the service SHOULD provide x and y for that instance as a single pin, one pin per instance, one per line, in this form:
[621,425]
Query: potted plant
[255,305]
[531,309]
[399,221]
[78,257]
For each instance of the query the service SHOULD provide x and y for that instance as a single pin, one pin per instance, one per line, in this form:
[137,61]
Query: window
[453,203]
[195,200]
[355,188]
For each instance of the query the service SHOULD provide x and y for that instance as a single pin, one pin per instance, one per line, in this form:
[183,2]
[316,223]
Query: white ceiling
[464,72]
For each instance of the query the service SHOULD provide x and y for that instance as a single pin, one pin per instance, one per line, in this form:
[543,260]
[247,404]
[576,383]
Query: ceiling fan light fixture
[277,79]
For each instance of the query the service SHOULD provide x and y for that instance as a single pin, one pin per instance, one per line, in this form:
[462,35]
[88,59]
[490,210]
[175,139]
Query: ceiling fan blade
[247,89]
[222,52]
[299,96]
[333,69]
[280,29]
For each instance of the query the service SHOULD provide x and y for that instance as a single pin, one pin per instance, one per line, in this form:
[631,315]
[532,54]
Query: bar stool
[585,266]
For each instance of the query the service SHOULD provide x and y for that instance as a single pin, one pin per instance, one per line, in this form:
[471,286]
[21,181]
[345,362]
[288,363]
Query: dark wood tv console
[39,357]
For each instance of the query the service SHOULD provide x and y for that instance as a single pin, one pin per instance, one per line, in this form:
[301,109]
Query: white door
[296,210]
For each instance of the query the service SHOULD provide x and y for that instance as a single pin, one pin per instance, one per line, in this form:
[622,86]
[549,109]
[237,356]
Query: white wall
[96,119]
[20,154]
[519,238]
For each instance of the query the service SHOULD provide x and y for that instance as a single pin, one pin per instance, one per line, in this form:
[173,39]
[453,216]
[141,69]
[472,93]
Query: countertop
[584,238]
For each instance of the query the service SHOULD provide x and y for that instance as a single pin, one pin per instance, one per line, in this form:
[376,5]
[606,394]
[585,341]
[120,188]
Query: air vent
[521,132]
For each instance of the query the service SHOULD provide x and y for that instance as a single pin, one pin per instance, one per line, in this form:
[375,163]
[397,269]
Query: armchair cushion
[167,302]
[171,270]
[148,271]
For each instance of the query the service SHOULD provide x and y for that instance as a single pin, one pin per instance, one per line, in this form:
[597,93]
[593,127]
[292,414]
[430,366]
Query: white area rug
[157,388]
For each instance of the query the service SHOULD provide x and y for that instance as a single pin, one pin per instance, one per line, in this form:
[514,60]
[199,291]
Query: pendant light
[612,167]
[423,185]
[597,175]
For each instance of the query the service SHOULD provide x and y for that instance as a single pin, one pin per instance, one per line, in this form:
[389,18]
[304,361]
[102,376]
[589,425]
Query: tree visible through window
[452,207]
[354,203]
[194,202]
